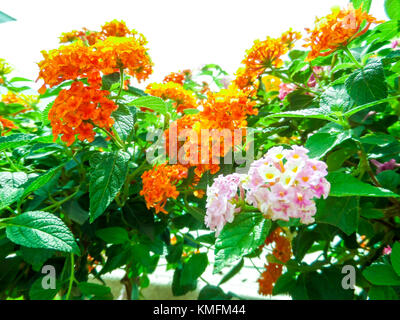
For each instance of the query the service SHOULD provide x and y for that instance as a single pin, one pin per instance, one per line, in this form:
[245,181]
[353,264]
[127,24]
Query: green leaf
[36,291]
[95,291]
[39,229]
[312,113]
[232,272]
[11,187]
[36,257]
[109,79]
[5,17]
[124,122]
[382,293]
[389,179]
[392,9]
[367,84]
[15,140]
[248,231]
[345,185]
[395,257]
[336,98]
[340,212]
[194,268]
[177,288]
[321,143]
[285,283]
[210,292]
[41,180]
[154,103]
[114,235]
[366,4]
[381,275]
[106,179]
[191,111]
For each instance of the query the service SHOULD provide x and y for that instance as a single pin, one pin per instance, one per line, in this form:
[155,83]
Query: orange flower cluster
[113,28]
[184,99]
[337,29]
[273,271]
[76,110]
[176,77]
[124,53]
[222,113]
[159,184]
[6,125]
[115,49]
[264,54]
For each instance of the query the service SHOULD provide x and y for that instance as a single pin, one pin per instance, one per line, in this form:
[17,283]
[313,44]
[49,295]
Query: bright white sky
[182,34]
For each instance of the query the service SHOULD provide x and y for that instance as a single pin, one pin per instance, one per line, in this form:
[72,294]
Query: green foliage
[83,207]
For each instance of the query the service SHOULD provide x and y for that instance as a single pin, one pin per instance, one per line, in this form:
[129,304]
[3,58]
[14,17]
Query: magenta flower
[285,89]
[388,165]
[387,250]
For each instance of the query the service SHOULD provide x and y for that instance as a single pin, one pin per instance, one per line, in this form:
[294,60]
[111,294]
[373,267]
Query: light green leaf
[321,143]
[39,229]
[392,9]
[106,179]
[154,103]
[345,185]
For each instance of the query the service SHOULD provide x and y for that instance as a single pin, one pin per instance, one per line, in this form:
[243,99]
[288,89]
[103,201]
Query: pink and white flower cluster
[282,185]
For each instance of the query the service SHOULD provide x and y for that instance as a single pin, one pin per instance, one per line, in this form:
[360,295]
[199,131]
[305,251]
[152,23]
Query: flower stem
[350,55]
[71,277]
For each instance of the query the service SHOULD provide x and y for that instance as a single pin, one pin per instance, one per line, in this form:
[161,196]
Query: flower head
[159,184]
[76,110]
[337,29]
[183,99]
[220,201]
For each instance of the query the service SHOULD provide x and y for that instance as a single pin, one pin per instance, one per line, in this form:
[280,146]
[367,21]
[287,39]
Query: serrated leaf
[124,122]
[106,179]
[40,181]
[15,140]
[39,229]
[367,84]
[248,231]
